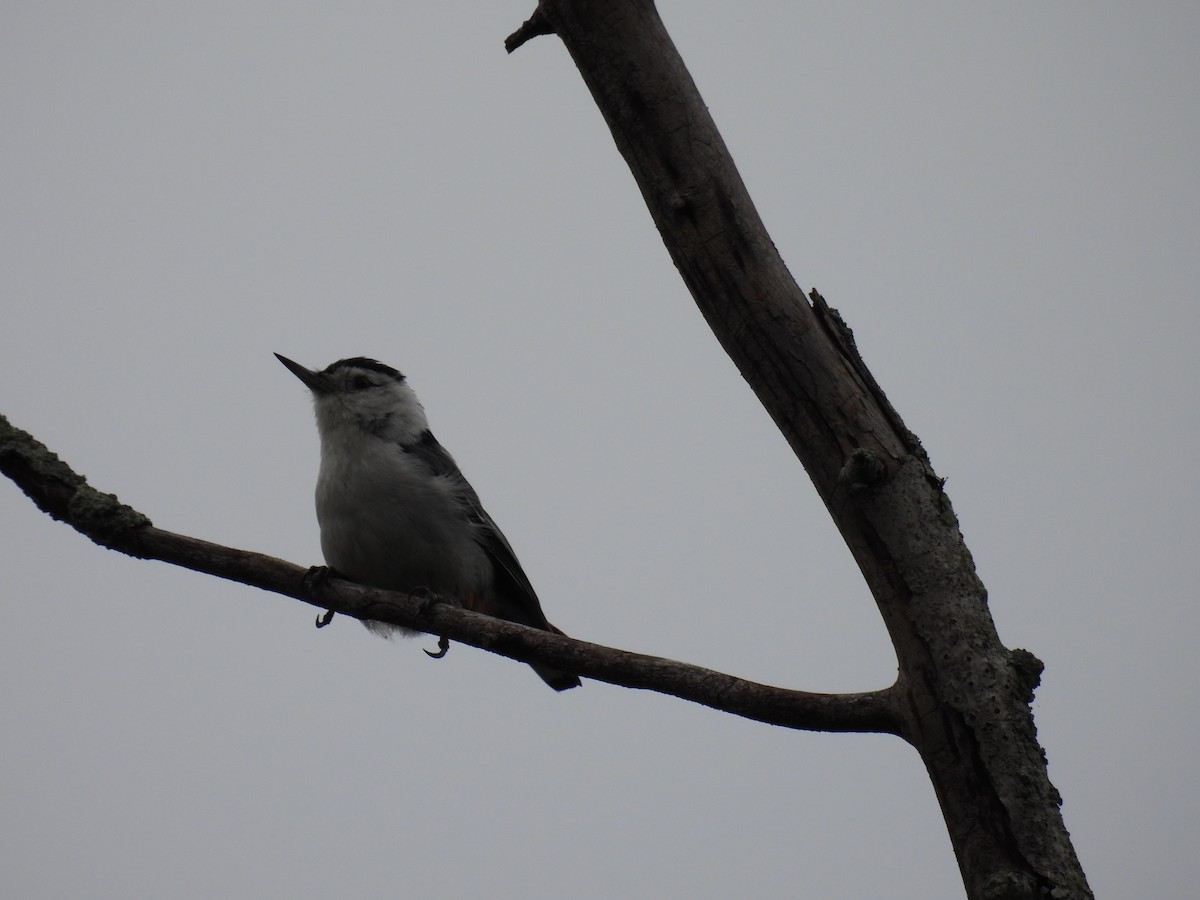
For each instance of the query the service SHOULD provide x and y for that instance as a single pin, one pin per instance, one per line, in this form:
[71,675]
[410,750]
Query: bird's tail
[517,603]
[556,678]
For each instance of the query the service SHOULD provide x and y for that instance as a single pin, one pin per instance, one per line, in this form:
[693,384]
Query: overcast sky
[1001,199]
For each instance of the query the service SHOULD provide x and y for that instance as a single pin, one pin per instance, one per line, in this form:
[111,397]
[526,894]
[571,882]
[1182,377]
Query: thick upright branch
[966,695]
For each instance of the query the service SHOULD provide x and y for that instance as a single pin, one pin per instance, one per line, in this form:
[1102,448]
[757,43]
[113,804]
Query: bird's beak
[317,382]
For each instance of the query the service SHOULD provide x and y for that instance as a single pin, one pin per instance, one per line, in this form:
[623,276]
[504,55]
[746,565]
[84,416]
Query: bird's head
[365,394]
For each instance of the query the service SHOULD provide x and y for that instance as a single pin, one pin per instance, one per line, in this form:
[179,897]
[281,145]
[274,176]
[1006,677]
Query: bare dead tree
[961,698]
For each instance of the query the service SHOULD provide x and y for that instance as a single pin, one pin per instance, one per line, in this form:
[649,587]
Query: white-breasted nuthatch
[394,510]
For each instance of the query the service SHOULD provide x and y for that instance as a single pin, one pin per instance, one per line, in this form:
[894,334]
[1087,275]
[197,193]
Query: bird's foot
[428,601]
[427,597]
[315,579]
[442,650]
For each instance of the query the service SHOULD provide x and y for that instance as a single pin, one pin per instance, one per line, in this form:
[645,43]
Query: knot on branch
[861,470]
[1028,670]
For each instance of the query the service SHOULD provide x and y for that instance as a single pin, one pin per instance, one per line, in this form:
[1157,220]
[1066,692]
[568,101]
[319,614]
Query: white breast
[386,523]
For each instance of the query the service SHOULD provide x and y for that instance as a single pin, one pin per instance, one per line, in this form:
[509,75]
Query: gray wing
[515,593]
[512,597]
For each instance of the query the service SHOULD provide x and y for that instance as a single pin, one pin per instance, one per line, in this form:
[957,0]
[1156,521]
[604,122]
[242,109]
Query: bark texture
[965,696]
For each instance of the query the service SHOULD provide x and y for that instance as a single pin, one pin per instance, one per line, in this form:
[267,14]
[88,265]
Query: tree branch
[65,495]
[535,26]
[966,696]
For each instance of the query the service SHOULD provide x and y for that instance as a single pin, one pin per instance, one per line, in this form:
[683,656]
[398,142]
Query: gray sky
[1002,201]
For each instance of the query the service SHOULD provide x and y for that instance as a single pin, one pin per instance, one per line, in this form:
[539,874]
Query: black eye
[361,382]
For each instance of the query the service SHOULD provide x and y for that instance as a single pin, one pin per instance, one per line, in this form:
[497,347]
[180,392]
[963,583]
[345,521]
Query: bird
[394,510]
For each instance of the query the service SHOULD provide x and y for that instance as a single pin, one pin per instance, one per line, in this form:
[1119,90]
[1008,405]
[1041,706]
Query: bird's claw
[315,580]
[428,599]
[316,577]
[443,648]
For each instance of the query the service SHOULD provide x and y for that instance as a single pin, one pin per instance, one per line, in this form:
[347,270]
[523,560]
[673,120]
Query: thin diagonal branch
[65,495]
